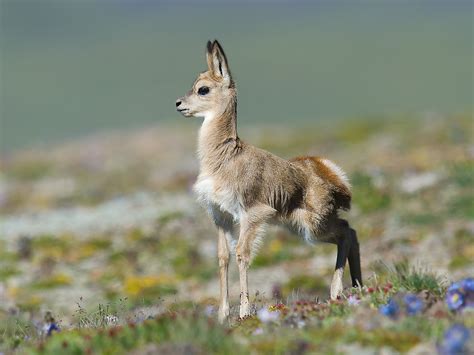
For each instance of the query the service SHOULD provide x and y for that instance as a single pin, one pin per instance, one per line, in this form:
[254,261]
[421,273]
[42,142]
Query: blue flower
[454,299]
[455,339]
[455,286]
[390,309]
[413,303]
[52,327]
[467,284]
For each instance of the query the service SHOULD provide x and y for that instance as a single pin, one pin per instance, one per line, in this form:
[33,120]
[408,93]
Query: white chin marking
[208,115]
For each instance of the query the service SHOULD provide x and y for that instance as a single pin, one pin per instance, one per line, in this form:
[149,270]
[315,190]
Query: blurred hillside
[71,68]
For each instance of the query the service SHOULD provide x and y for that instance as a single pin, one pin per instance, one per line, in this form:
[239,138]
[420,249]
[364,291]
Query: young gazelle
[244,185]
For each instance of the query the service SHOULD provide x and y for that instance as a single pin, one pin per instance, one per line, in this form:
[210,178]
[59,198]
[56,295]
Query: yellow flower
[134,285]
[275,246]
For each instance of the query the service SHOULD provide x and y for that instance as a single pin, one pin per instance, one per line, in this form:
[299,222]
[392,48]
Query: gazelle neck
[218,138]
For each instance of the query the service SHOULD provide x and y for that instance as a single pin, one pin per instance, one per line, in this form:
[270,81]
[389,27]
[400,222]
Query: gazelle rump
[244,188]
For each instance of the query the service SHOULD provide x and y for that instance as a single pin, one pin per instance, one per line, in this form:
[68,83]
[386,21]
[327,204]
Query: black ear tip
[216,43]
[209,46]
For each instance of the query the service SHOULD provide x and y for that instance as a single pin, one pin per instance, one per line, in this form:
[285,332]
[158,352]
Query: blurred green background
[105,231]
[71,68]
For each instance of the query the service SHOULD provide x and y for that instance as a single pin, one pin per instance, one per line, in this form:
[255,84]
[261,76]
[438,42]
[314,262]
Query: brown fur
[341,193]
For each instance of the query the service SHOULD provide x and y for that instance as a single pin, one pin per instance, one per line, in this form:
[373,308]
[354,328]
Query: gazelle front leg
[243,261]
[223,255]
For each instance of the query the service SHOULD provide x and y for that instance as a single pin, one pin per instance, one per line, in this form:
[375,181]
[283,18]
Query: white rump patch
[336,169]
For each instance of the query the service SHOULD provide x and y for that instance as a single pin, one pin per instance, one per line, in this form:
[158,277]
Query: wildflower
[454,299]
[49,326]
[278,307]
[265,315]
[468,284]
[413,304]
[455,286]
[455,339]
[353,300]
[52,327]
[258,331]
[300,324]
[390,309]
[209,310]
[110,319]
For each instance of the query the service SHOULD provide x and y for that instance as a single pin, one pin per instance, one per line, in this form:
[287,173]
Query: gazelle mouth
[186,112]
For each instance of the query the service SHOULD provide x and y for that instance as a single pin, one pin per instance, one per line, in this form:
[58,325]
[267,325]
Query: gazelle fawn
[244,188]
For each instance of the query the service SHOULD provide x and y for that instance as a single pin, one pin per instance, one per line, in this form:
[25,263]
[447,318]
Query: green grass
[462,173]
[305,326]
[170,329]
[415,279]
[367,196]
[463,206]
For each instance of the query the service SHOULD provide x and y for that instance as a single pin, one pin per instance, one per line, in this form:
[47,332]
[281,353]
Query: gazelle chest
[210,192]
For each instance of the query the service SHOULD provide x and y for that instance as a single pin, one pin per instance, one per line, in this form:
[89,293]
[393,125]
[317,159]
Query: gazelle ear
[217,62]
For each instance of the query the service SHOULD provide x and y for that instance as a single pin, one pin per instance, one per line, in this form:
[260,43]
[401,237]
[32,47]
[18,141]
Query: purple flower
[265,315]
[390,309]
[413,304]
[455,339]
[454,299]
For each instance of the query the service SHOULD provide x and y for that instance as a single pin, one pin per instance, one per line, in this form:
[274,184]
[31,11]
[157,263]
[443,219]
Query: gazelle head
[213,89]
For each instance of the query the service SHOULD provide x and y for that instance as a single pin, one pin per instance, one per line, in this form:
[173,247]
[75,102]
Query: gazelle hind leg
[332,230]
[251,225]
[354,260]
[343,247]
[347,249]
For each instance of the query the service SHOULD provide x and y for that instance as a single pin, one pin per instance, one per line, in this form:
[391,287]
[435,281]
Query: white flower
[110,319]
[268,316]
[300,324]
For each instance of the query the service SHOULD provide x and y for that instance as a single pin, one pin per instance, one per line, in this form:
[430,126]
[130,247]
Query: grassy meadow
[102,238]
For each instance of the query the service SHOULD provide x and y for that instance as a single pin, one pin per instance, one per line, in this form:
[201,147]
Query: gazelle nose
[178,102]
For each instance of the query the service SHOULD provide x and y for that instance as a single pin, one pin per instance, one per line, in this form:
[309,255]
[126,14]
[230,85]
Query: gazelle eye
[203,90]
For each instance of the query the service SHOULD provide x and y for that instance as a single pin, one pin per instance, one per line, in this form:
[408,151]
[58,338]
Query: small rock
[416,182]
